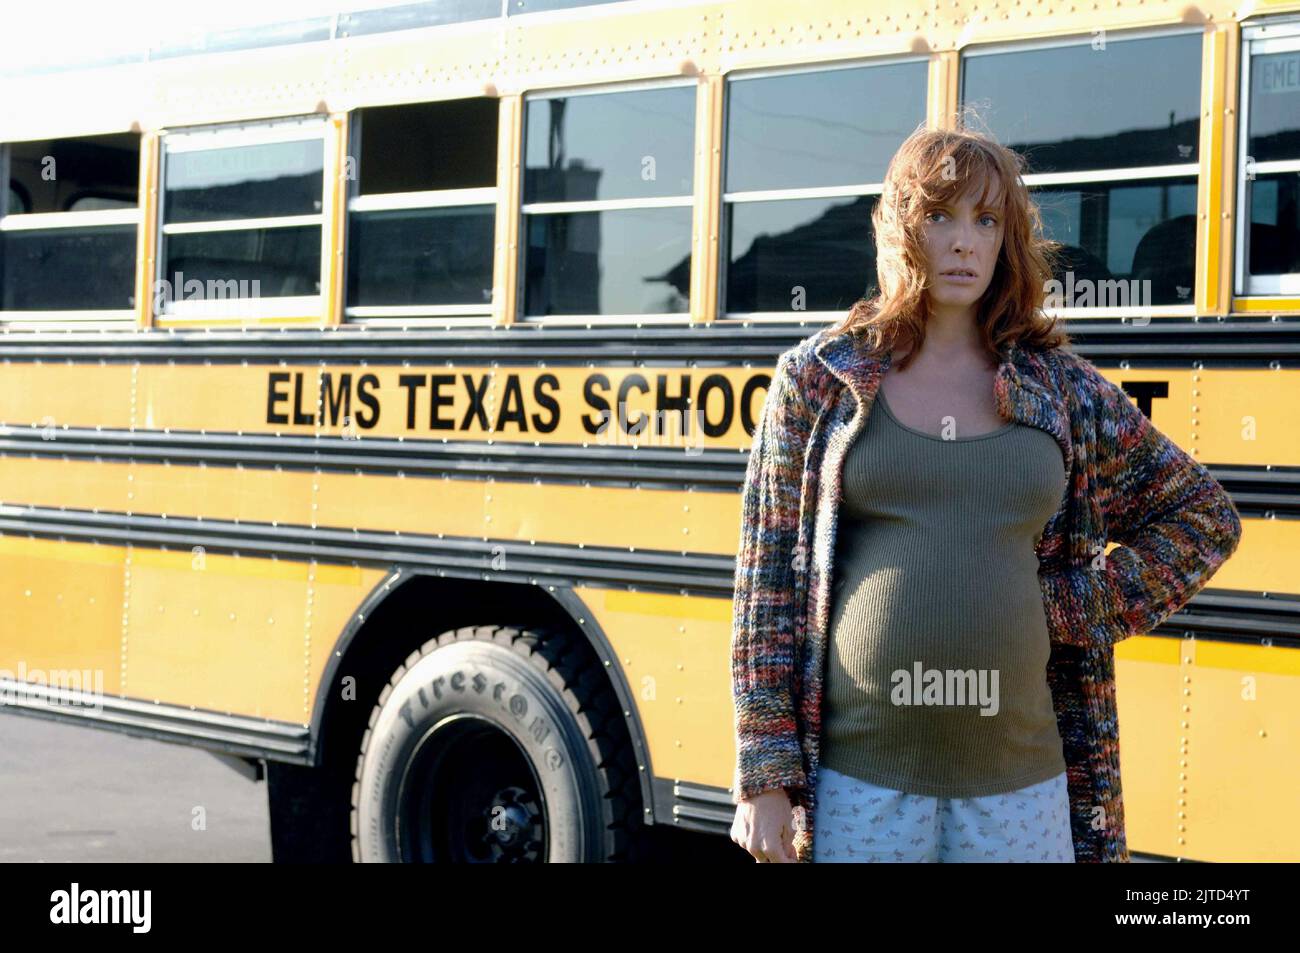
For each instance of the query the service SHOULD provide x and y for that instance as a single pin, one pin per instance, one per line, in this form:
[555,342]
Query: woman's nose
[961,239]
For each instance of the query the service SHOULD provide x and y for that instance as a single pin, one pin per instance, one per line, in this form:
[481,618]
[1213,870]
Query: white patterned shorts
[859,822]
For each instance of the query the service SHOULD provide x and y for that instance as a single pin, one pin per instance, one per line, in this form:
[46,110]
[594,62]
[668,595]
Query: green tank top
[936,669]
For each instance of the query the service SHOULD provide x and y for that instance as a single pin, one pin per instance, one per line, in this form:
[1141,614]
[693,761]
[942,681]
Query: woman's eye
[988,218]
[934,216]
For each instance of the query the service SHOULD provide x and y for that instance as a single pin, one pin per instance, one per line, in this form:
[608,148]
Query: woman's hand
[764,826]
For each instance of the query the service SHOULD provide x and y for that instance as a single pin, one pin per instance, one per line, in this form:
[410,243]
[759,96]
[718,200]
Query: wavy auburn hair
[931,168]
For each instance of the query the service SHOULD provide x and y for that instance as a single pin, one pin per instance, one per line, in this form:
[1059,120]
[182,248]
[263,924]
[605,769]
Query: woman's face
[962,243]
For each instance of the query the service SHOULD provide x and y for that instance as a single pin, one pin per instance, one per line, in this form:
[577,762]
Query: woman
[952,698]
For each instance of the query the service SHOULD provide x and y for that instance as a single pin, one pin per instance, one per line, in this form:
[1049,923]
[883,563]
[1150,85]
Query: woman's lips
[960,279]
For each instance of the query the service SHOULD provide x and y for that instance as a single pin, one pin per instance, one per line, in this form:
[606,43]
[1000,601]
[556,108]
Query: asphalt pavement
[71,793]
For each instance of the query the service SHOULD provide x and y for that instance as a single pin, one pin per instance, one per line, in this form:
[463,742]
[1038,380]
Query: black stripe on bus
[1238,342]
[466,557]
[505,461]
[1266,491]
[1221,615]
[232,734]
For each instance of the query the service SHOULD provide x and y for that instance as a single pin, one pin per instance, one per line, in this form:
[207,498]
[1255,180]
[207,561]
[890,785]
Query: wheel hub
[513,824]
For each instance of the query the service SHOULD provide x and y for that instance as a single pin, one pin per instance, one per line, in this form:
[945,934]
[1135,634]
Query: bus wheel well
[404,612]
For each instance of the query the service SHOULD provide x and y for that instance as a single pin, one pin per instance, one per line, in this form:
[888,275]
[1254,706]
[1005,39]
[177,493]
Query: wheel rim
[469,794]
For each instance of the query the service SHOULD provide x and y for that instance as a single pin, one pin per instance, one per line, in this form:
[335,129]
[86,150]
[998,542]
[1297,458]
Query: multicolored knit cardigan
[1128,483]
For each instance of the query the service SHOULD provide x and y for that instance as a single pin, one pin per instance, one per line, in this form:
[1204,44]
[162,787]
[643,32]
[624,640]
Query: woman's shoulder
[1086,378]
[801,376]
[1089,394]
[800,361]
[802,357]
[1067,370]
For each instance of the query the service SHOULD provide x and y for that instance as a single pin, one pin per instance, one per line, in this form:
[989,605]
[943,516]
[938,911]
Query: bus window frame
[542,208]
[851,190]
[1170,171]
[279,309]
[440,315]
[96,318]
[1259,37]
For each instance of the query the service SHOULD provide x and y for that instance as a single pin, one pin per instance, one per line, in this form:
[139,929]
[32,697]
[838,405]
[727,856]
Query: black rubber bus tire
[497,744]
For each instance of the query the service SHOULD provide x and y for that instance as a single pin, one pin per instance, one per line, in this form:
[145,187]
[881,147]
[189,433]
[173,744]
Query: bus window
[242,210]
[18,200]
[607,204]
[60,260]
[422,219]
[94,202]
[802,167]
[1110,128]
[1268,238]
[535,6]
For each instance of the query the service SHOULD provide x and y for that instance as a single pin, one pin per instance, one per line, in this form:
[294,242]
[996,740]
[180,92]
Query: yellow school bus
[377,387]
